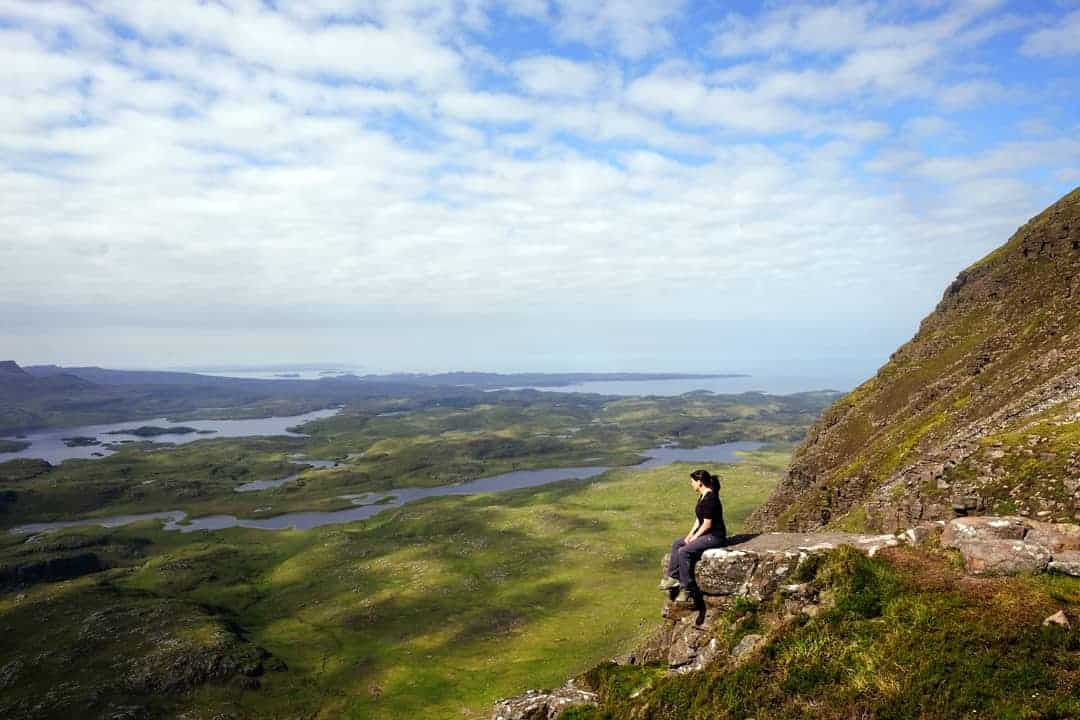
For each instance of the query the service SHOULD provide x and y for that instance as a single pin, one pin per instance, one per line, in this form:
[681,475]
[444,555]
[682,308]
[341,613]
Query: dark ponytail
[707,479]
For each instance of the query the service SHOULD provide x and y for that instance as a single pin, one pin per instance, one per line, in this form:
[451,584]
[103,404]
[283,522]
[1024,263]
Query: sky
[529,185]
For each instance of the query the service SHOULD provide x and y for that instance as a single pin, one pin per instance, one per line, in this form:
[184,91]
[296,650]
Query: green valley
[378,451]
[431,610]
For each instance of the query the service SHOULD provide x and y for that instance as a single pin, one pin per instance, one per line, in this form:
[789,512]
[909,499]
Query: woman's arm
[700,530]
[690,535]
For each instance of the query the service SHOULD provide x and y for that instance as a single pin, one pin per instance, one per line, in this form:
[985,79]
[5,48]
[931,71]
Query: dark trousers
[685,556]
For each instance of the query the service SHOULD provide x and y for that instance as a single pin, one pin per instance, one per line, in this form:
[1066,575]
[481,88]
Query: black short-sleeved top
[709,506]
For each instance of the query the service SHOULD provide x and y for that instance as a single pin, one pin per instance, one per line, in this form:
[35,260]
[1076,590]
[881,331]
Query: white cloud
[925,126]
[811,28]
[825,54]
[1003,158]
[971,92]
[555,76]
[364,51]
[687,95]
[487,107]
[804,28]
[635,27]
[245,158]
[1061,39]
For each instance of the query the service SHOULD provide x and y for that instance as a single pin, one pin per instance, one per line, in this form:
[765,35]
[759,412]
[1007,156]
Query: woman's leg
[673,558]
[689,555]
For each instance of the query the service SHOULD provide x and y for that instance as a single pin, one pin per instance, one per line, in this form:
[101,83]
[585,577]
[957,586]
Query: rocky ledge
[1013,544]
[758,567]
[764,566]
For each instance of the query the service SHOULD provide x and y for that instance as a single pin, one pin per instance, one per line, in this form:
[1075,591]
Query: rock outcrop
[774,563]
[542,705]
[756,570]
[1008,545]
[777,566]
[978,413]
[758,567]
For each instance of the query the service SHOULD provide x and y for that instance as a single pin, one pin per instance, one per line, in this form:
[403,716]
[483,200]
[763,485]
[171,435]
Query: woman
[708,532]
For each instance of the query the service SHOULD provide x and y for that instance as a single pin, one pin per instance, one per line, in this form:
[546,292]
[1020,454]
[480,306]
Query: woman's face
[695,485]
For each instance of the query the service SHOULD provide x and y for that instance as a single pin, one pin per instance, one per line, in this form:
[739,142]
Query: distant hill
[53,396]
[15,380]
[10,369]
[979,412]
[103,376]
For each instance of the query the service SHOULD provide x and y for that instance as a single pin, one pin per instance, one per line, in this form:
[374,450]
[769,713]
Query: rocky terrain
[756,593]
[978,413]
[107,651]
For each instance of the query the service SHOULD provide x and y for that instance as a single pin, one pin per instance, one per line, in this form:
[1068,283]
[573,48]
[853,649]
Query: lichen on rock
[542,704]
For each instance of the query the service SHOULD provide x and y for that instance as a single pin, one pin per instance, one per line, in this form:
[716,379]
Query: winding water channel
[370,504]
[302,462]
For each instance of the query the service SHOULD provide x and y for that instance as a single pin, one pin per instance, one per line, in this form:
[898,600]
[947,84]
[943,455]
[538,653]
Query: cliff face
[979,412]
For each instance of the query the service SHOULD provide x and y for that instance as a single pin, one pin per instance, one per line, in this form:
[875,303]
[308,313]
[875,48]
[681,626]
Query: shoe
[684,596]
[669,583]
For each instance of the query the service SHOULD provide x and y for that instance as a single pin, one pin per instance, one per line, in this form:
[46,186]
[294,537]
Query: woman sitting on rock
[708,532]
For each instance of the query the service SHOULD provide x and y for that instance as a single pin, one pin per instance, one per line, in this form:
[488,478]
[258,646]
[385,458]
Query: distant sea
[770,384]
[766,383]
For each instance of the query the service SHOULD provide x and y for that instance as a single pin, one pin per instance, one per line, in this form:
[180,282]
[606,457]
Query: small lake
[771,385]
[370,504]
[49,444]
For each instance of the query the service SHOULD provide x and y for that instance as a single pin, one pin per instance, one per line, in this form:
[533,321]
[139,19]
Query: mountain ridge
[949,424]
[10,368]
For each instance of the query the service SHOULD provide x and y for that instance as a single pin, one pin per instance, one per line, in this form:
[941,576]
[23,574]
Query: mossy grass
[907,637]
[432,610]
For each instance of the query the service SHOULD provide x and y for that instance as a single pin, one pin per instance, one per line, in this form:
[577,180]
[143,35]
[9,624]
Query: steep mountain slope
[979,412]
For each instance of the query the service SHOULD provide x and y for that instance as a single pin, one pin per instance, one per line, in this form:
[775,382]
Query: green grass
[433,610]
[907,637]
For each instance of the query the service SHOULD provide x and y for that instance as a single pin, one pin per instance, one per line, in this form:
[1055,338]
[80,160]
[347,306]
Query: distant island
[12,446]
[80,441]
[154,431]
